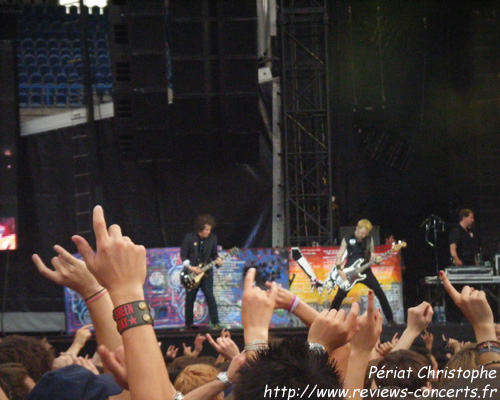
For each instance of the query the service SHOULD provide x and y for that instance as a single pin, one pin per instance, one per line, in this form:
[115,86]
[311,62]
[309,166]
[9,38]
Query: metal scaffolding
[306,122]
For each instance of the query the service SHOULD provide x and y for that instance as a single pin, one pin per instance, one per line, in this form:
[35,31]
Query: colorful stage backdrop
[166,295]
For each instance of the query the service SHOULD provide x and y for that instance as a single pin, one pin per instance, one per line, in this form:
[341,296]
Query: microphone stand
[435,223]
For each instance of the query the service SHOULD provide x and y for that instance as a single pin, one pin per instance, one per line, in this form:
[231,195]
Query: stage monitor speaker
[347,231]
[138,55]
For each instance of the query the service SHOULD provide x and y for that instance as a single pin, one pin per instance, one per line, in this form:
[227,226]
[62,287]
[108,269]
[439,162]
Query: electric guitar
[354,274]
[191,280]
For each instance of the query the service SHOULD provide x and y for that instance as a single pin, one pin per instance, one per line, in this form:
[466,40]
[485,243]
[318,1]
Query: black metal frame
[306,122]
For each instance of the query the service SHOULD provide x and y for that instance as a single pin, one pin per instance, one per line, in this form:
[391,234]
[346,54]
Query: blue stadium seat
[61,78]
[104,69]
[42,59]
[36,100]
[66,51]
[40,43]
[31,69]
[49,78]
[24,99]
[54,59]
[68,69]
[101,44]
[64,59]
[28,59]
[75,95]
[23,78]
[27,43]
[56,69]
[103,59]
[61,100]
[73,77]
[35,78]
[44,69]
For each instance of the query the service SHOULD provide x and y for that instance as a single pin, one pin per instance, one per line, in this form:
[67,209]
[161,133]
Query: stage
[176,337]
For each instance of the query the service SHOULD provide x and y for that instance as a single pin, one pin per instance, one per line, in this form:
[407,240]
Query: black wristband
[132,314]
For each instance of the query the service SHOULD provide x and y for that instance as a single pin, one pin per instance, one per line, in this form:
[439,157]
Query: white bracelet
[295,303]
[256,345]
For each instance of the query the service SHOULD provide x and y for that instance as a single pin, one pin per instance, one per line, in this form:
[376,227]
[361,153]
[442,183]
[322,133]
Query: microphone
[186,263]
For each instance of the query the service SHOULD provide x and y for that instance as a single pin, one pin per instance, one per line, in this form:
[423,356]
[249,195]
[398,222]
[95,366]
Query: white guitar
[353,273]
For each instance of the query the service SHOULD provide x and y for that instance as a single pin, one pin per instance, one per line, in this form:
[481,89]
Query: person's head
[466,217]
[15,381]
[204,224]
[28,351]
[74,382]
[363,229]
[389,239]
[289,363]
[403,360]
[194,376]
[467,359]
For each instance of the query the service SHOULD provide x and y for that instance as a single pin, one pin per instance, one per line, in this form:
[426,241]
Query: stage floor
[176,337]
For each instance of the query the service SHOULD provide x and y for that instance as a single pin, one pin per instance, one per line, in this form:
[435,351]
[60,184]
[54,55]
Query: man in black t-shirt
[461,240]
[360,245]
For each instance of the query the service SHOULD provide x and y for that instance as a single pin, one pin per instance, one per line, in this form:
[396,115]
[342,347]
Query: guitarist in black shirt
[360,245]
[200,247]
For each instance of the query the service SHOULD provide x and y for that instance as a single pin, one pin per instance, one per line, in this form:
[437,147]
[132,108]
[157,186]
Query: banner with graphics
[310,263]
[166,295]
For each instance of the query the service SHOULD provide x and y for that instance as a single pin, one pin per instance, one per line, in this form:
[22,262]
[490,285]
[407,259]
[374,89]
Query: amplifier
[469,270]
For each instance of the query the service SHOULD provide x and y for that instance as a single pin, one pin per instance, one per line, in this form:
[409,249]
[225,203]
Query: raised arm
[476,309]
[370,327]
[120,266]
[286,300]
[74,274]
[256,311]
[419,318]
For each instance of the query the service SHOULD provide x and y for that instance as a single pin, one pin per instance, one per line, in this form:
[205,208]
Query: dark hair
[202,220]
[28,351]
[464,213]
[289,363]
[12,376]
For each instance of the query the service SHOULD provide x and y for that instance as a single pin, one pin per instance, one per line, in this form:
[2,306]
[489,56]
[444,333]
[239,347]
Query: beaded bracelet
[491,363]
[489,350]
[132,314]
[488,344]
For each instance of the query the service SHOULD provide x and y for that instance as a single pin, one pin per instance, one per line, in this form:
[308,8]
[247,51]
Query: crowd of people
[342,357]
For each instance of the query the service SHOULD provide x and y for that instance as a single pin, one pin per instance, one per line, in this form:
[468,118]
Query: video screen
[8,234]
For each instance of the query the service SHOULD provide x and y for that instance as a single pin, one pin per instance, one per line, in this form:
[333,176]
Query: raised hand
[198,343]
[225,346]
[472,303]
[333,329]
[370,327]
[257,308]
[428,339]
[114,362]
[119,265]
[69,271]
[172,352]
